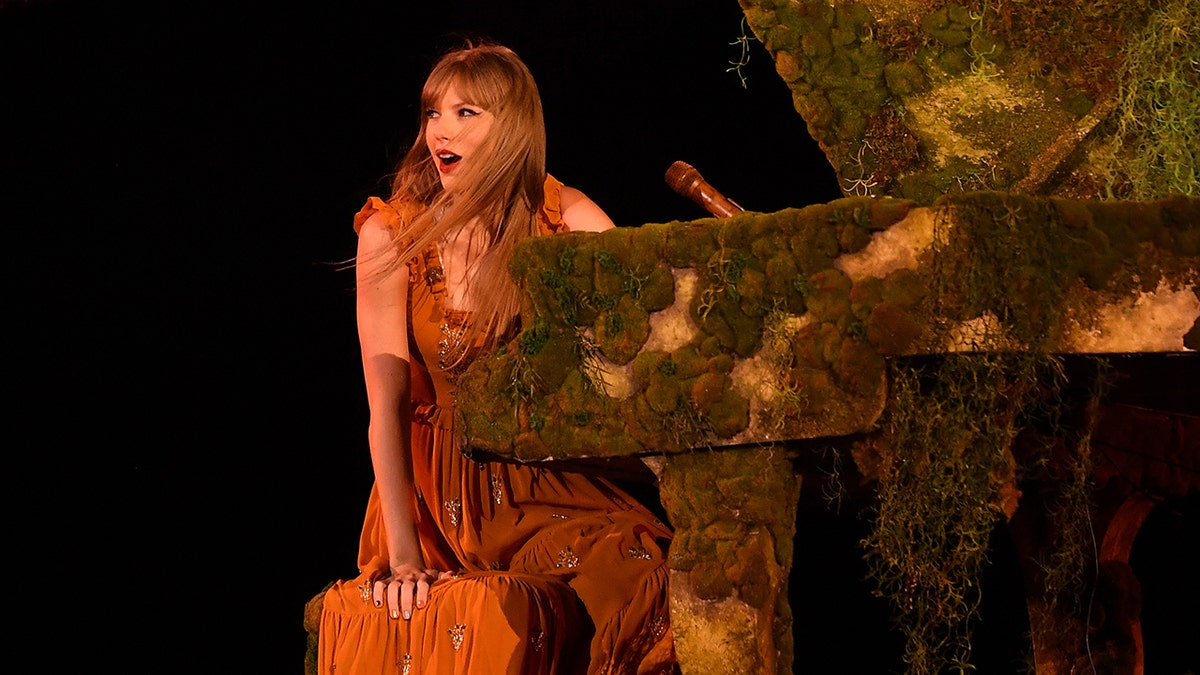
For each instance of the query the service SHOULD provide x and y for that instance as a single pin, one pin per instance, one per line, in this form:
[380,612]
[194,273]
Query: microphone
[687,181]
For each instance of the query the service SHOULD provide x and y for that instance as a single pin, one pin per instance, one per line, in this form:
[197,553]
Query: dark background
[188,463]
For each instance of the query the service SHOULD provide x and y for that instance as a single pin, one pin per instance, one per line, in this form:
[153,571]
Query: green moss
[730,415]
[942,27]
[817,111]
[609,282]
[621,332]
[1009,256]
[534,338]
[852,238]
[710,346]
[769,241]
[603,302]
[781,271]
[859,367]
[936,20]
[815,345]
[864,295]
[586,422]
[734,329]
[954,61]
[904,79]
[751,290]
[647,362]
[791,66]
[732,556]
[892,329]
[662,394]
[706,389]
[1078,103]
[1112,219]
[608,262]
[1026,277]
[1158,116]
[657,291]
[904,288]
[691,362]
[689,243]
[919,188]
[818,387]
[828,294]
[818,46]
[555,360]
[813,253]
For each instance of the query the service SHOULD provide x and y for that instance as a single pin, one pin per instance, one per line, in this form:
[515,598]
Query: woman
[466,566]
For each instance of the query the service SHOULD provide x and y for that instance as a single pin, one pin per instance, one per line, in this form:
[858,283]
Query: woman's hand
[406,588]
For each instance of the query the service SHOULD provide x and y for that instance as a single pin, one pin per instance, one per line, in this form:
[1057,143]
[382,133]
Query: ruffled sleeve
[393,218]
[395,221]
[550,214]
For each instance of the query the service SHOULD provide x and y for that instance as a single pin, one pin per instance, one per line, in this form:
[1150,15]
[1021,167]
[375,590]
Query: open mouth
[448,158]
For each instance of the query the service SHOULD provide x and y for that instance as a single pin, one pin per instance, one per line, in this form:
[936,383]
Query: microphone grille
[680,175]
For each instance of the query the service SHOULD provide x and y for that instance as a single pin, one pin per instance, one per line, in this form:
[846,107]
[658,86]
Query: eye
[467,112]
[431,114]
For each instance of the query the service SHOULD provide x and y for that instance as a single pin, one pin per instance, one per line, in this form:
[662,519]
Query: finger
[377,592]
[422,598]
[393,599]
[407,591]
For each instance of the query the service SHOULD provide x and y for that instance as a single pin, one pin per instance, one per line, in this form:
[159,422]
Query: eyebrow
[457,104]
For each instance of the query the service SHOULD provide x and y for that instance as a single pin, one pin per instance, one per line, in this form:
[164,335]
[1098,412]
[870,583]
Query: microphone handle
[716,203]
[687,181]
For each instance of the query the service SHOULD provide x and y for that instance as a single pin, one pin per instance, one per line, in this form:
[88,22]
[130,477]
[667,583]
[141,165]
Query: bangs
[484,82]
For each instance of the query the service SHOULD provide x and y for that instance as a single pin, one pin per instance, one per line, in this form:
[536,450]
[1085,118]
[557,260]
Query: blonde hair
[502,190]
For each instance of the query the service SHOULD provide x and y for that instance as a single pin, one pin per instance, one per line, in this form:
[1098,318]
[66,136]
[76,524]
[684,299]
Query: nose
[438,129]
[443,129]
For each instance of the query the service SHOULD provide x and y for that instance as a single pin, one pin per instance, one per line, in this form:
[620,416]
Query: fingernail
[379,603]
[420,605]
[395,614]
[408,615]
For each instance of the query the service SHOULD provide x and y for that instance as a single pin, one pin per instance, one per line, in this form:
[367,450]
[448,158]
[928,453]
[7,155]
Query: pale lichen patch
[1154,321]
[892,249]
[673,327]
[946,117]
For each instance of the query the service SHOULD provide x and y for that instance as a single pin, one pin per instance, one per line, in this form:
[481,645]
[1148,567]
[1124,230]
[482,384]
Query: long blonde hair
[502,191]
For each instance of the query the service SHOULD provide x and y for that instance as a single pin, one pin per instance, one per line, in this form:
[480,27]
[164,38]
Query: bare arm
[382,300]
[582,214]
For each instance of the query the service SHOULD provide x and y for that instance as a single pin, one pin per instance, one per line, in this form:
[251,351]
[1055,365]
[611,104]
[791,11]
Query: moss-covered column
[734,513]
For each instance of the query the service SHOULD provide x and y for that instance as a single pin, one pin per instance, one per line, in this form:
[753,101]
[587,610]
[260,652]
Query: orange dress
[561,572]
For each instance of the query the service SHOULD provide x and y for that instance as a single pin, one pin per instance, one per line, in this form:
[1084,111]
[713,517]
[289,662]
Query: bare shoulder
[375,229]
[375,250]
[582,214]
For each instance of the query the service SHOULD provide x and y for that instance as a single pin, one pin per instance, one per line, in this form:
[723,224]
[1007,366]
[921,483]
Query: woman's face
[454,131]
